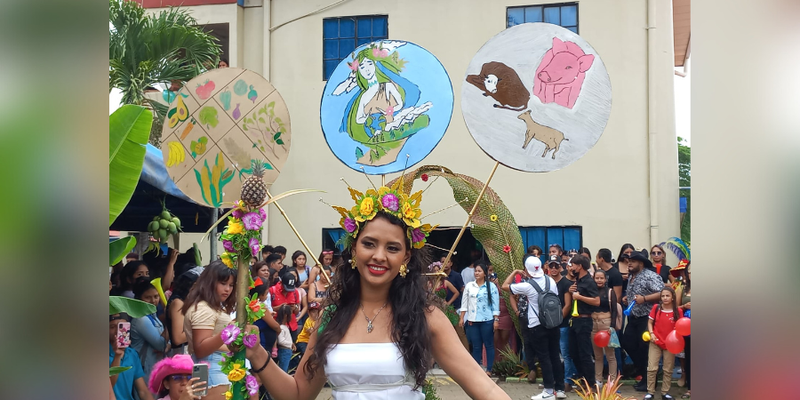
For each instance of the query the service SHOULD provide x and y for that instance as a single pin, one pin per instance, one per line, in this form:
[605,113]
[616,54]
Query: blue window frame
[340,36]
[568,237]
[330,238]
[563,14]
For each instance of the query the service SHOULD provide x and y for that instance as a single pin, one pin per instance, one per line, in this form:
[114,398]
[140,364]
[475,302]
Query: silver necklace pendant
[369,327]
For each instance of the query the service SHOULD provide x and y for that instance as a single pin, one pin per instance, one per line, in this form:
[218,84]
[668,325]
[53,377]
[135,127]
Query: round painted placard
[218,125]
[536,97]
[385,100]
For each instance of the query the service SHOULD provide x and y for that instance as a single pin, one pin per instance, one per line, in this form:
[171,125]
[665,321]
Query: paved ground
[447,389]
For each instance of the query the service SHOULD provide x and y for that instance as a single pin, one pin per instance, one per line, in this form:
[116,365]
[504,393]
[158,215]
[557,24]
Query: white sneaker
[543,395]
[560,394]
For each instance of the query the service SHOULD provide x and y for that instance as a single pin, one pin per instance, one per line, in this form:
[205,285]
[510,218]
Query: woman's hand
[191,387]
[496,325]
[687,306]
[461,322]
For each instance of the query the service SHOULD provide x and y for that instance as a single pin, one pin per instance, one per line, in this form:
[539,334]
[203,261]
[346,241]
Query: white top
[369,371]
[533,296]
[475,302]
[468,275]
[285,338]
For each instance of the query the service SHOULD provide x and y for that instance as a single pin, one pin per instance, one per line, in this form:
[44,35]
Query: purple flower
[254,246]
[349,225]
[390,202]
[252,384]
[228,245]
[250,341]
[229,334]
[417,235]
[238,213]
[262,213]
[252,221]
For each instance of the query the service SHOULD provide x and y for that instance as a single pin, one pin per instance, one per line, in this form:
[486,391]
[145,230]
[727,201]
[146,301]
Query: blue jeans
[284,356]
[569,366]
[480,335]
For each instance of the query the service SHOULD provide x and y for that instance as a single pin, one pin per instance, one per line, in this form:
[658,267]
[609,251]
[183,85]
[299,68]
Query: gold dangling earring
[353,263]
[403,270]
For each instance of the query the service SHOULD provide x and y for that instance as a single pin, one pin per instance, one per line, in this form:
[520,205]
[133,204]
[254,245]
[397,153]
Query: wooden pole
[291,225]
[471,212]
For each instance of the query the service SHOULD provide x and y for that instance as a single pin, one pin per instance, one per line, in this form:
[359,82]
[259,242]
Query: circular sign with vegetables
[225,129]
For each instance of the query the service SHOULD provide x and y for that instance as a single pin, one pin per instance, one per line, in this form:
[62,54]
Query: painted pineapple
[254,190]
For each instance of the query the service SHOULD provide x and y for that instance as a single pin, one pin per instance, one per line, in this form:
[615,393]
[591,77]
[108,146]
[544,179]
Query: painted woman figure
[383,112]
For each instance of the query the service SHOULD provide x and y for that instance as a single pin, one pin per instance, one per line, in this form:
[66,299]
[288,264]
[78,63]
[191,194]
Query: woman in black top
[602,319]
[659,258]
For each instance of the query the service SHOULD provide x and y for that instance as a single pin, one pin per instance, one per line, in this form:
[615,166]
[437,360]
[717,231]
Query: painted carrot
[189,126]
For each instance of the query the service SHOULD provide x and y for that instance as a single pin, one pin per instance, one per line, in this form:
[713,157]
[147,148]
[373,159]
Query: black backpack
[549,305]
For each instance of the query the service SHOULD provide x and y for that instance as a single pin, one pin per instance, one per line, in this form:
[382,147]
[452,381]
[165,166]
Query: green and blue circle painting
[386,106]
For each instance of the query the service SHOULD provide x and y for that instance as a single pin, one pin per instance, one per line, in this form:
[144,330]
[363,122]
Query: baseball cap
[534,266]
[289,281]
[554,259]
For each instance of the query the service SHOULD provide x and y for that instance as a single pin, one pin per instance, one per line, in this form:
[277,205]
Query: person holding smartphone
[121,355]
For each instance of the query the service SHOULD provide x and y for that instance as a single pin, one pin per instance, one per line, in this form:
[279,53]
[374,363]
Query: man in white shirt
[468,275]
[543,342]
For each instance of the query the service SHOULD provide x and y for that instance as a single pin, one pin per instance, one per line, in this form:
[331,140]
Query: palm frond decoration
[492,224]
[678,247]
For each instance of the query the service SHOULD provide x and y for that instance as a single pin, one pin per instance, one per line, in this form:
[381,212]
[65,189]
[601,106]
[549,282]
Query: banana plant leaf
[132,307]
[117,370]
[119,248]
[129,129]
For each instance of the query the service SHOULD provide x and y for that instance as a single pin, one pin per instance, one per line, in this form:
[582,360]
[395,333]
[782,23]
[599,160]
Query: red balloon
[674,342]
[601,338]
[683,326]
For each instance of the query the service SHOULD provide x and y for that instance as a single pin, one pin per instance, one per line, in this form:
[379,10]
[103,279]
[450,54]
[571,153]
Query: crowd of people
[200,304]
[589,294]
[561,304]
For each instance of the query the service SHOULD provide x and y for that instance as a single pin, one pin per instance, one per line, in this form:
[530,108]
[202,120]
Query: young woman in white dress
[380,332]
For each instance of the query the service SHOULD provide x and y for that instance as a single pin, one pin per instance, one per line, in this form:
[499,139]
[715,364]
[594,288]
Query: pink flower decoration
[353,65]
[262,213]
[252,385]
[252,221]
[507,248]
[229,334]
[390,202]
[254,246]
[349,225]
[417,235]
[250,341]
[228,245]
[378,53]
[424,177]
[238,214]
[389,110]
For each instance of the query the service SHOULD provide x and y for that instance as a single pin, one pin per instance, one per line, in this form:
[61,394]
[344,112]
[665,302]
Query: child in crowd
[661,323]
[285,345]
[308,328]
[172,379]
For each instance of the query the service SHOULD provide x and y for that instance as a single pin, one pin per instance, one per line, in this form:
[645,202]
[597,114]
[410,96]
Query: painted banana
[176,154]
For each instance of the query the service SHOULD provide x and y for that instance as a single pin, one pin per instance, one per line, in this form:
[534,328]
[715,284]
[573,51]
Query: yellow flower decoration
[367,206]
[228,395]
[235,228]
[227,259]
[493,217]
[237,373]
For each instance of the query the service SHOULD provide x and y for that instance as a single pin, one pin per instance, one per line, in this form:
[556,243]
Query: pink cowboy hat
[179,364]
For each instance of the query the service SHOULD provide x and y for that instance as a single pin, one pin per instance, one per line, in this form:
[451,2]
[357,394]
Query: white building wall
[606,192]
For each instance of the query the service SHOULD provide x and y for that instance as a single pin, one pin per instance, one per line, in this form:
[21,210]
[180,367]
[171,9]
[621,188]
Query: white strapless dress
[369,371]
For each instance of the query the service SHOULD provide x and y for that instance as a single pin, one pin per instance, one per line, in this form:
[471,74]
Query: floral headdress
[391,201]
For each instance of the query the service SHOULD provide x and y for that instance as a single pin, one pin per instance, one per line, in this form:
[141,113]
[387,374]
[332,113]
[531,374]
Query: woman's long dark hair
[127,273]
[485,270]
[410,303]
[296,254]
[625,246]
[206,288]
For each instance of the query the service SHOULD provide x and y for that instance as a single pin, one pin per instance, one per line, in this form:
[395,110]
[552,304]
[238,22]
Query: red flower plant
[424,177]
[507,248]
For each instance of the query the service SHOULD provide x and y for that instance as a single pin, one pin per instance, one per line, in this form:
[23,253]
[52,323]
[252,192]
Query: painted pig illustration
[502,83]
[551,138]
[560,74]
